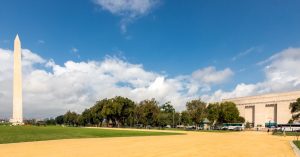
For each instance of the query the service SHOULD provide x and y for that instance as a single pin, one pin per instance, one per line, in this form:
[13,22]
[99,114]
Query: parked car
[148,127]
[190,128]
[168,126]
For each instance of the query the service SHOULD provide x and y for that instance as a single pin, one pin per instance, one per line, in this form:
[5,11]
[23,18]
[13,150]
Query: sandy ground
[193,144]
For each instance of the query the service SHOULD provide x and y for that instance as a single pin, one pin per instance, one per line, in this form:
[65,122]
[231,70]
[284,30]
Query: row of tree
[123,112]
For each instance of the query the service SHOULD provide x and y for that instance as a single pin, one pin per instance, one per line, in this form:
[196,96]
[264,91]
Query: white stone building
[265,109]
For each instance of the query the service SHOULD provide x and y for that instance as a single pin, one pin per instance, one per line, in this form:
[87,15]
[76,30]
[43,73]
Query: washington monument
[17,117]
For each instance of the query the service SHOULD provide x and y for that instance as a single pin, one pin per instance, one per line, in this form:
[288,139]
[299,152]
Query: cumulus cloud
[50,89]
[281,74]
[202,79]
[211,75]
[128,10]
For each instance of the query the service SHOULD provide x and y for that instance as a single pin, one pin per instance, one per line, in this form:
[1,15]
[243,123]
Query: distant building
[267,109]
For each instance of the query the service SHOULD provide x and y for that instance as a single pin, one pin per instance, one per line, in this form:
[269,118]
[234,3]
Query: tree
[247,125]
[295,108]
[241,119]
[147,112]
[196,109]
[167,107]
[228,113]
[124,108]
[117,110]
[85,118]
[186,118]
[81,121]
[139,115]
[169,113]
[59,120]
[108,111]
[70,118]
[50,121]
[213,111]
[96,112]
[177,119]
[163,119]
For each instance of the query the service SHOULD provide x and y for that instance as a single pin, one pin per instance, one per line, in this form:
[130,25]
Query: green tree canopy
[163,119]
[121,111]
[124,108]
[59,120]
[196,109]
[167,107]
[295,108]
[213,112]
[96,113]
[228,113]
[86,118]
[169,114]
[70,118]
[147,112]
[186,118]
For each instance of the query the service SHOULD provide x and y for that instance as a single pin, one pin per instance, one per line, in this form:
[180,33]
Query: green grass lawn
[286,133]
[218,131]
[15,134]
[297,143]
[182,129]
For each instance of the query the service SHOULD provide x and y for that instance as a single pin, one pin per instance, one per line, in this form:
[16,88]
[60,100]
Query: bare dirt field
[193,144]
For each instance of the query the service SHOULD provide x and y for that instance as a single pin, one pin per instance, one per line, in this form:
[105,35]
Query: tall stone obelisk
[17,118]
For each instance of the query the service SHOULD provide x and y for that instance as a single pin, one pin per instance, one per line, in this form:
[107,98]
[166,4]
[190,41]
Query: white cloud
[202,79]
[246,52]
[41,42]
[50,89]
[74,50]
[281,74]
[129,10]
[30,58]
[211,75]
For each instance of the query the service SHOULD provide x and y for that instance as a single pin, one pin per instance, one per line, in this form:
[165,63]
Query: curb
[295,149]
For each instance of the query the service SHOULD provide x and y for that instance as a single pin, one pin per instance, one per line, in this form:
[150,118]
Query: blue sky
[168,37]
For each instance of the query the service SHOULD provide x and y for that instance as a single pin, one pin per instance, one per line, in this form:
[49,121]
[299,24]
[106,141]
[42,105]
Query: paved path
[193,144]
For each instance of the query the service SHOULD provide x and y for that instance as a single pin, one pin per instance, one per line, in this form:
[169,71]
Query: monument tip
[17,38]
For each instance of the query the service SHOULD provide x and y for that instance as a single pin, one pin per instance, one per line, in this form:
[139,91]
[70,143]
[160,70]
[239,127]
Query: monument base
[14,122]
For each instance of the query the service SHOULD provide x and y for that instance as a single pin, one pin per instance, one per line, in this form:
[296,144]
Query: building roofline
[263,95]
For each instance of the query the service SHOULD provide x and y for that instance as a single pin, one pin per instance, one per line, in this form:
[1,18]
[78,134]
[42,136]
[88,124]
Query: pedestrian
[268,131]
